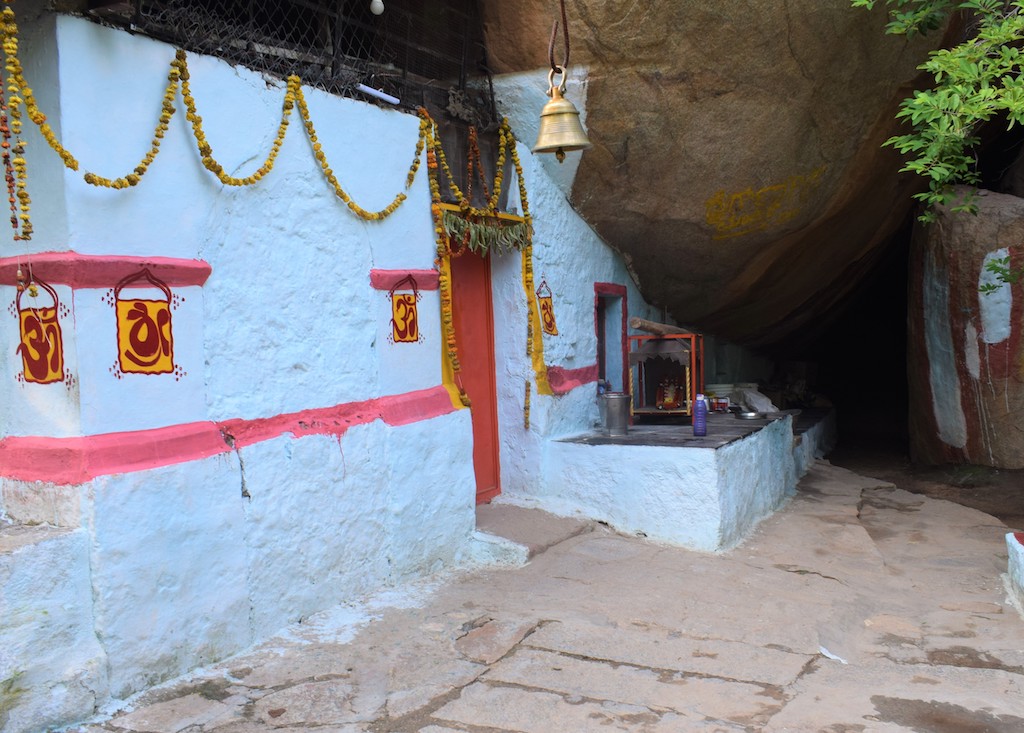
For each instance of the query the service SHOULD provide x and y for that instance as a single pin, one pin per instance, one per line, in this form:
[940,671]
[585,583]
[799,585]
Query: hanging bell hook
[565,41]
[560,128]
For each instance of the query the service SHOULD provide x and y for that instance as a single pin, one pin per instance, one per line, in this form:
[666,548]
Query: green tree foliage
[976,81]
[1000,267]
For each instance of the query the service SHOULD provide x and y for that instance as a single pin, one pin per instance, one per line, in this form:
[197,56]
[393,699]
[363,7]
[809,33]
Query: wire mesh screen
[418,51]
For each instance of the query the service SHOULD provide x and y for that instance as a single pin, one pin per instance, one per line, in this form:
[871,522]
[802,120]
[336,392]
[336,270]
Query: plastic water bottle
[700,416]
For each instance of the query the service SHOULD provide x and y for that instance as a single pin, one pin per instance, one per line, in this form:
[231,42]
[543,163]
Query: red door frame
[473,314]
[616,291]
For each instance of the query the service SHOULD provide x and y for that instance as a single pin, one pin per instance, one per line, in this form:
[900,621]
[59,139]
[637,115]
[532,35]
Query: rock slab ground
[858,607]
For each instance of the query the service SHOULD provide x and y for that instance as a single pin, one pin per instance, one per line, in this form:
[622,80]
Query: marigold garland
[318,153]
[473,162]
[428,132]
[5,131]
[447,228]
[9,31]
[293,87]
[21,96]
[167,111]
[20,206]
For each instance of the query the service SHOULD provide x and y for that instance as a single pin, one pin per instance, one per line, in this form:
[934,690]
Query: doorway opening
[610,319]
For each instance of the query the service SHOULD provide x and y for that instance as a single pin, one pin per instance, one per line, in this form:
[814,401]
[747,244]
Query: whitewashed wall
[196,558]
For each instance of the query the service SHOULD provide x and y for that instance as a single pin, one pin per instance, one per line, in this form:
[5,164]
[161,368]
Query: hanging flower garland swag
[467,213]
[479,229]
[21,99]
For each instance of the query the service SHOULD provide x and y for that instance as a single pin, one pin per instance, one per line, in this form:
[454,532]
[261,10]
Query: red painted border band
[565,380]
[393,410]
[102,271]
[80,459]
[76,460]
[388,279]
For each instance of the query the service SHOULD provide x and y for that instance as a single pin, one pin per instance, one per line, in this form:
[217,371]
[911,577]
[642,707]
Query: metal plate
[750,415]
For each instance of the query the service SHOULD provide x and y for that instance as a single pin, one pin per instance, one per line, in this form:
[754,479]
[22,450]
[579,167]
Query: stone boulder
[965,357]
[737,159]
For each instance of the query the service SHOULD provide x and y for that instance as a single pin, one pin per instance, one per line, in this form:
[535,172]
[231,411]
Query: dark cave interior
[861,359]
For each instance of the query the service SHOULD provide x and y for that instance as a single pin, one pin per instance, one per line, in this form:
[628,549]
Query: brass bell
[560,128]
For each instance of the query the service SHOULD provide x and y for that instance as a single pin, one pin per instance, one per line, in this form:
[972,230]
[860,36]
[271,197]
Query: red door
[473,313]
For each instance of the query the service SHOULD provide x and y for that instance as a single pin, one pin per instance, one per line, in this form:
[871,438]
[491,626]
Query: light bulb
[376,7]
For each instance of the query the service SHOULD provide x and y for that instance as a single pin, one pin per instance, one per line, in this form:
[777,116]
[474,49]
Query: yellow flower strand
[318,153]
[534,340]
[444,285]
[13,64]
[21,221]
[292,91]
[166,112]
[21,96]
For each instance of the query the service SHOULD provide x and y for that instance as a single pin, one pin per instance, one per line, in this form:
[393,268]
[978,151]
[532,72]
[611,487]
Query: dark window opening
[428,54]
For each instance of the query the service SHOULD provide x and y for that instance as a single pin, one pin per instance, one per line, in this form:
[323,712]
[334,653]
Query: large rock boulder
[737,157]
[965,356]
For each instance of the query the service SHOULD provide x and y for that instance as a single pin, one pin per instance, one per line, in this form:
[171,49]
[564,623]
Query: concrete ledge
[816,436]
[183,565]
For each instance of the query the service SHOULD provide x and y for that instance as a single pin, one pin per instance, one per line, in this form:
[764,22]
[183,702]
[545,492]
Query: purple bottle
[700,416]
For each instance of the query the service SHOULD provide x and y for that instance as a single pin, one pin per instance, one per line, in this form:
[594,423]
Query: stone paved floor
[859,607]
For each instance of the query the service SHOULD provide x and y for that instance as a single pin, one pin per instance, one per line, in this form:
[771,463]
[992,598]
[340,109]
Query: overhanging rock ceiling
[737,157]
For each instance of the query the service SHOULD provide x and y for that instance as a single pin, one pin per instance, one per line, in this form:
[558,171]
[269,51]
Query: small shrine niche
[666,370]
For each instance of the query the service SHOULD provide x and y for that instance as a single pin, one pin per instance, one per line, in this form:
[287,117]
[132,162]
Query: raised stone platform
[660,481]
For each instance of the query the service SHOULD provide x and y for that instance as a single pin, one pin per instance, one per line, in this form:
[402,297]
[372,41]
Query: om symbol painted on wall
[405,327]
[547,309]
[145,342]
[42,345]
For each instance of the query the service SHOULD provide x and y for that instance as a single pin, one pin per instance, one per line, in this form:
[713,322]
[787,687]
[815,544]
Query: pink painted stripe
[393,410]
[102,271]
[566,380]
[77,460]
[388,279]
